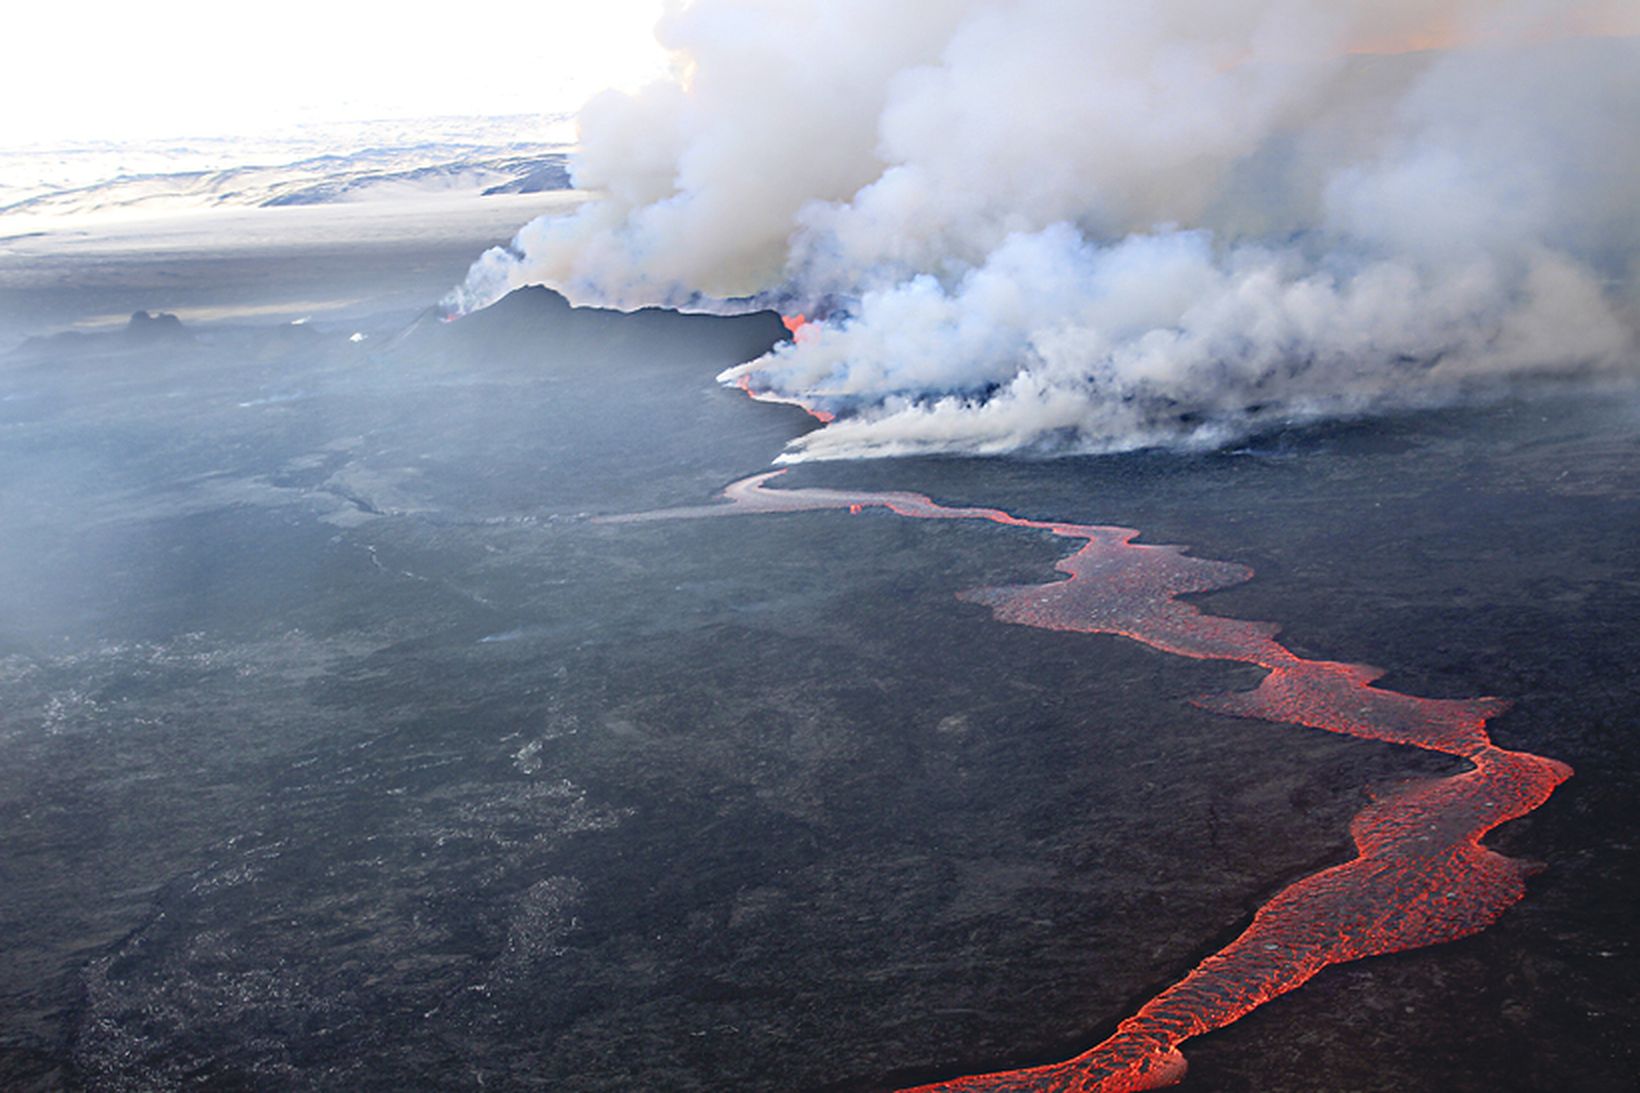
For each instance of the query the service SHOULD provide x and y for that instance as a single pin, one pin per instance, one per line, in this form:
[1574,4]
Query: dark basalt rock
[538,326]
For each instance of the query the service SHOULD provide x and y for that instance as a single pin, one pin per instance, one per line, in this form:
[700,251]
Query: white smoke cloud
[1099,225]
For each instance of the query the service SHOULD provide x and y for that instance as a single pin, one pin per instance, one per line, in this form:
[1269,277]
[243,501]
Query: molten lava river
[1420,875]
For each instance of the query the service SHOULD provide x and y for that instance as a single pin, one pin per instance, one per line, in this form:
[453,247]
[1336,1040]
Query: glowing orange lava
[744,382]
[1420,875]
[794,323]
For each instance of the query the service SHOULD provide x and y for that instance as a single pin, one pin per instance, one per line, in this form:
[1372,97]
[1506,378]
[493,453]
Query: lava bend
[1420,875]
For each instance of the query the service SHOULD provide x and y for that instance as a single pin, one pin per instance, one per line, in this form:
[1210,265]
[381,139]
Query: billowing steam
[1095,224]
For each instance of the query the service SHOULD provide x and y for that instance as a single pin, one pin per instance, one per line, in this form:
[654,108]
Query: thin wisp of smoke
[1037,224]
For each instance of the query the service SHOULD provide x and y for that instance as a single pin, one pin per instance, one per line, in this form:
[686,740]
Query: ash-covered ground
[340,750]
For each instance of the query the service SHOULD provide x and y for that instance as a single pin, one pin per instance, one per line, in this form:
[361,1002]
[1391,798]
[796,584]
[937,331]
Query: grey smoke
[1101,225]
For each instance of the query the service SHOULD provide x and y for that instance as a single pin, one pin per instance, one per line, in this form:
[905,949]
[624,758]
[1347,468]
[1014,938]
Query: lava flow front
[1420,875]
[794,325]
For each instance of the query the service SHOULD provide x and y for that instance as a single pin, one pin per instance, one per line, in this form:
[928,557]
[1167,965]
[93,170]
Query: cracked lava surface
[1420,875]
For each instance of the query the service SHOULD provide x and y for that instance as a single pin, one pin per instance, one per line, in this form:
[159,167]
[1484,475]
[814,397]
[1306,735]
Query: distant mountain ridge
[306,165]
[369,174]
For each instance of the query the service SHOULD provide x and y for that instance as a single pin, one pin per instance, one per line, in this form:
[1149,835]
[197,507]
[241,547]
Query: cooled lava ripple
[1420,875]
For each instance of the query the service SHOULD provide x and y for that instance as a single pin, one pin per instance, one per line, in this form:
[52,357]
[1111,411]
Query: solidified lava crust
[1420,875]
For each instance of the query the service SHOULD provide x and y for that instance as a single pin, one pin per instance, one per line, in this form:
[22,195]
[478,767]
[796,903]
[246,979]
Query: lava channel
[1421,875]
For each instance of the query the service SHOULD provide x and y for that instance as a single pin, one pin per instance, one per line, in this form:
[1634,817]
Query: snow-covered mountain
[364,161]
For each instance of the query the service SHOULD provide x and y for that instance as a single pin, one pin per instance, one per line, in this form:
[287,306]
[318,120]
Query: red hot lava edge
[1420,875]
[794,325]
[824,417]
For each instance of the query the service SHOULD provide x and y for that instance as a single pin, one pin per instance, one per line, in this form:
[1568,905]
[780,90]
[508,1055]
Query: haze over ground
[343,746]
[1020,226]
[142,137]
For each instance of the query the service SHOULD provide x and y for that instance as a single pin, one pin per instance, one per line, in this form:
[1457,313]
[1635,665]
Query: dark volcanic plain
[340,750]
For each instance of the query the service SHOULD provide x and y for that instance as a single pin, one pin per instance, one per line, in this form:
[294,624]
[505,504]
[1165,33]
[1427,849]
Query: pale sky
[117,69]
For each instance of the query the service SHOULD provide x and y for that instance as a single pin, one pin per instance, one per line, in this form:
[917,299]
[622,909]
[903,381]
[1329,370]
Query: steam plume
[1101,225]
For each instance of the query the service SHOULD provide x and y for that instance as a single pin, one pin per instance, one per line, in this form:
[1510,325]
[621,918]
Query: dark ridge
[531,175]
[146,327]
[549,173]
[142,330]
[67,343]
[537,325]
